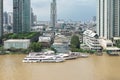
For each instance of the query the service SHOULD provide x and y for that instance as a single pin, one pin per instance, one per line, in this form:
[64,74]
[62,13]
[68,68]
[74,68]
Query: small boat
[68,56]
[84,55]
[110,54]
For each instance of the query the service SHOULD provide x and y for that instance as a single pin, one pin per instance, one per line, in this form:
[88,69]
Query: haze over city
[76,10]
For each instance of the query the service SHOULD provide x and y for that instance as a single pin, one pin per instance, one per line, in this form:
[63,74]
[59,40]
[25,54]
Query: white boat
[84,55]
[43,58]
[68,56]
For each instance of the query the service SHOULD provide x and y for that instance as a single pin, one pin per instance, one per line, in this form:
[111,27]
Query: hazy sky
[66,9]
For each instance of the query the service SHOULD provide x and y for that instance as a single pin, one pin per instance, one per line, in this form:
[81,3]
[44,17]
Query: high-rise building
[116,17]
[108,25]
[1,18]
[102,25]
[21,16]
[5,18]
[10,18]
[26,15]
[33,18]
[53,16]
[32,14]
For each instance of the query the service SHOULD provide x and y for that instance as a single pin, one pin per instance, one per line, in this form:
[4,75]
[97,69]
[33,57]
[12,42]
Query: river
[93,68]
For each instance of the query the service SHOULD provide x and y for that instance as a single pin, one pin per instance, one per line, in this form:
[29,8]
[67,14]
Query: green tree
[117,43]
[75,43]
[35,46]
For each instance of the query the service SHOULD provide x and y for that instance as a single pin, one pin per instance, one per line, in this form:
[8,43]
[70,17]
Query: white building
[105,43]
[44,39]
[17,43]
[108,22]
[10,18]
[108,46]
[91,40]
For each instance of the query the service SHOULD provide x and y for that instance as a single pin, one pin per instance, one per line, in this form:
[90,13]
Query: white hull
[43,59]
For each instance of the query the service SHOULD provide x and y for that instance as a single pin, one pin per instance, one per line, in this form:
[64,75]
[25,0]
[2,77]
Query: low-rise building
[61,47]
[45,41]
[17,43]
[109,47]
[105,43]
[61,44]
[91,40]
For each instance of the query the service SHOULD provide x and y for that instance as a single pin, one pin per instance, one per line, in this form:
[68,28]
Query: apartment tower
[108,21]
[21,16]
[53,15]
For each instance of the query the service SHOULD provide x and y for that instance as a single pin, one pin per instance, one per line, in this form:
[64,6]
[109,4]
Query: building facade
[21,16]
[10,18]
[1,18]
[116,17]
[17,44]
[108,25]
[5,18]
[53,15]
[91,40]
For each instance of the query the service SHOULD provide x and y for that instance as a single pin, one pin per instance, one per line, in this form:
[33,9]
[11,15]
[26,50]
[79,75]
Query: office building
[108,25]
[53,16]
[33,18]
[21,16]
[10,18]
[5,18]
[1,18]
[116,18]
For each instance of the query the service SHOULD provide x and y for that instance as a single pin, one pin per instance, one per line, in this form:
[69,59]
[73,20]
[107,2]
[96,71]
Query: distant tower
[1,18]
[53,15]
[5,18]
[10,18]
[21,16]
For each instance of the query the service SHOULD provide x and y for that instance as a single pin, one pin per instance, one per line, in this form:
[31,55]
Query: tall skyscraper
[1,18]
[5,18]
[10,18]
[21,16]
[108,25]
[116,17]
[53,17]
[33,18]
[26,16]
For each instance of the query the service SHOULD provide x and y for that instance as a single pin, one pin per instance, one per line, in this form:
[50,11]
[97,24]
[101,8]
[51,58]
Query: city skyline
[77,10]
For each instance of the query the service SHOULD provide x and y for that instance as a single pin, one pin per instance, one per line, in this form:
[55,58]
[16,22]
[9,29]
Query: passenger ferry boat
[39,57]
[74,55]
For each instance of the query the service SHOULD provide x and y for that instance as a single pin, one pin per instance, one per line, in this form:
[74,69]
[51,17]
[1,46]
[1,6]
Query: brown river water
[93,68]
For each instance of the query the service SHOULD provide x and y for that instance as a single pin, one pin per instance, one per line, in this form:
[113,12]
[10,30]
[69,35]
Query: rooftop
[90,33]
[112,48]
[17,40]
